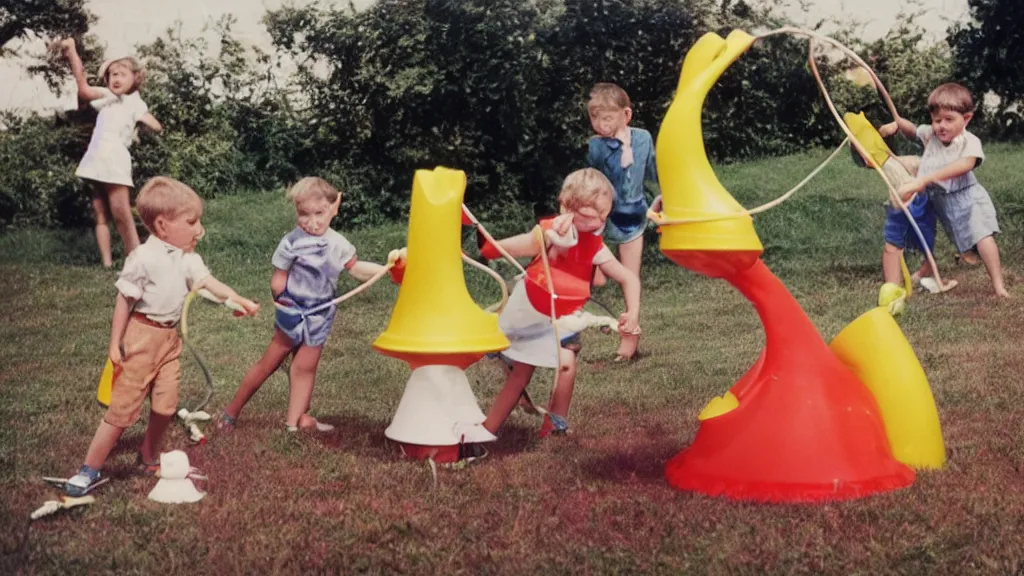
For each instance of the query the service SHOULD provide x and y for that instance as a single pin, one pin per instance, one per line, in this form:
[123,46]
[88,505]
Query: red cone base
[805,429]
[440,454]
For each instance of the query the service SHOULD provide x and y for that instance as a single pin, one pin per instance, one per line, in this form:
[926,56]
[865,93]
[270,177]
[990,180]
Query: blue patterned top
[314,264]
[605,154]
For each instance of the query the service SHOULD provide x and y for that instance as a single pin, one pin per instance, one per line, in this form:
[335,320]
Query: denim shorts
[899,232]
[626,222]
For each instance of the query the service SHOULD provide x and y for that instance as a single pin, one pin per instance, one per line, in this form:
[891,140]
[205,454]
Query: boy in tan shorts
[144,341]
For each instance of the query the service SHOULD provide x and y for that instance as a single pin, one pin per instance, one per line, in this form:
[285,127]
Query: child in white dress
[107,165]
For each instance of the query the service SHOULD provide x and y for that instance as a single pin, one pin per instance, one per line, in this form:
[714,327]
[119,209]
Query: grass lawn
[593,502]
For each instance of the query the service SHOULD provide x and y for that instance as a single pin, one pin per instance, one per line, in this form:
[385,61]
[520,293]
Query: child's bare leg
[924,271]
[507,399]
[278,349]
[631,256]
[302,376]
[102,443]
[561,396]
[150,449]
[891,270]
[989,252]
[99,210]
[119,199]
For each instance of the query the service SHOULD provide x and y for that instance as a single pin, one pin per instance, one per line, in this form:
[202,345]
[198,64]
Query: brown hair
[950,96]
[313,186]
[606,95]
[167,197]
[584,188]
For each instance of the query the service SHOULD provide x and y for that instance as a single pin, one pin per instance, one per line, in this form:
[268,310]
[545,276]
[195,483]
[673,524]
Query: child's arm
[560,234]
[904,126]
[630,320]
[150,121]
[593,154]
[952,170]
[224,292]
[651,172]
[362,270]
[85,92]
[122,309]
[278,282]
[520,246]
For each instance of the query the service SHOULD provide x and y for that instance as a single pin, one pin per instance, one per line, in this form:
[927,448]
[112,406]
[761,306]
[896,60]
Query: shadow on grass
[632,460]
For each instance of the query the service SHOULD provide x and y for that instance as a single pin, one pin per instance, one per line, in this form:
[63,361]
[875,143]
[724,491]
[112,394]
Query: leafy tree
[988,53]
[22,20]
[222,112]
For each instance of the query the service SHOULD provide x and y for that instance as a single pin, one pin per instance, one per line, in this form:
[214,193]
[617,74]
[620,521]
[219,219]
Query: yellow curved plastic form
[106,384]
[868,137]
[875,350]
[434,313]
[718,405]
[908,282]
[689,187]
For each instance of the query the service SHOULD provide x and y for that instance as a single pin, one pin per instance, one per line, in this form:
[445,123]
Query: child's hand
[115,354]
[251,308]
[562,224]
[887,130]
[397,261]
[65,46]
[629,323]
[908,190]
[657,204]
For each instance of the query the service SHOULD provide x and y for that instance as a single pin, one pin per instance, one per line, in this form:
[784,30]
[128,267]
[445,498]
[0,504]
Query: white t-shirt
[160,276]
[117,116]
[937,156]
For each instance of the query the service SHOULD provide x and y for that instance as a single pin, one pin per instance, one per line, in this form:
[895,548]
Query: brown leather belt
[143,319]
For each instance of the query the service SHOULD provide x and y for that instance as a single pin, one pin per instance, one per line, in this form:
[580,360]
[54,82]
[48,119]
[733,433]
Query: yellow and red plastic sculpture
[807,422]
[437,328]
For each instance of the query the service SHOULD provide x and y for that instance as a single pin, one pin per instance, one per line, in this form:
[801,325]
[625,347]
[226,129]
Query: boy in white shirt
[946,174]
[144,342]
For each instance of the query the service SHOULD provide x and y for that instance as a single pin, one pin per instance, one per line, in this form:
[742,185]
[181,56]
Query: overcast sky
[124,23]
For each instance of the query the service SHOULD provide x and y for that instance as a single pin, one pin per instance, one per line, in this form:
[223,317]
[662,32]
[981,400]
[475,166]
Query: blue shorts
[305,329]
[626,222]
[899,232]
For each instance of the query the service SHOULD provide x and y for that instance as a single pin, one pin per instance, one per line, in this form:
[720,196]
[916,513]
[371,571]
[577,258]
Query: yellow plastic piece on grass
[106,384]
[689,186]
[718,405]
[434,313]
[875,350]
[893,298]
[866,134]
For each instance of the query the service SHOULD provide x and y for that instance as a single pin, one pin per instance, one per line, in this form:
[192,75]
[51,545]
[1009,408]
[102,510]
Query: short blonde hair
[605,95]
[950,96]
[167,197]
[133,65]
[584,188]
[312,186]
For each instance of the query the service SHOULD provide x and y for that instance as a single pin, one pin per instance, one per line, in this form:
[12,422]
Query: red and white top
[571,273]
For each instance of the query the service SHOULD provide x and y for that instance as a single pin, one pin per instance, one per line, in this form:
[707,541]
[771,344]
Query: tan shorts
[151,368]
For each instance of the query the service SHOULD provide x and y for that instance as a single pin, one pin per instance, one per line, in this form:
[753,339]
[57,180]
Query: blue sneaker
[561,425]
[82,483]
